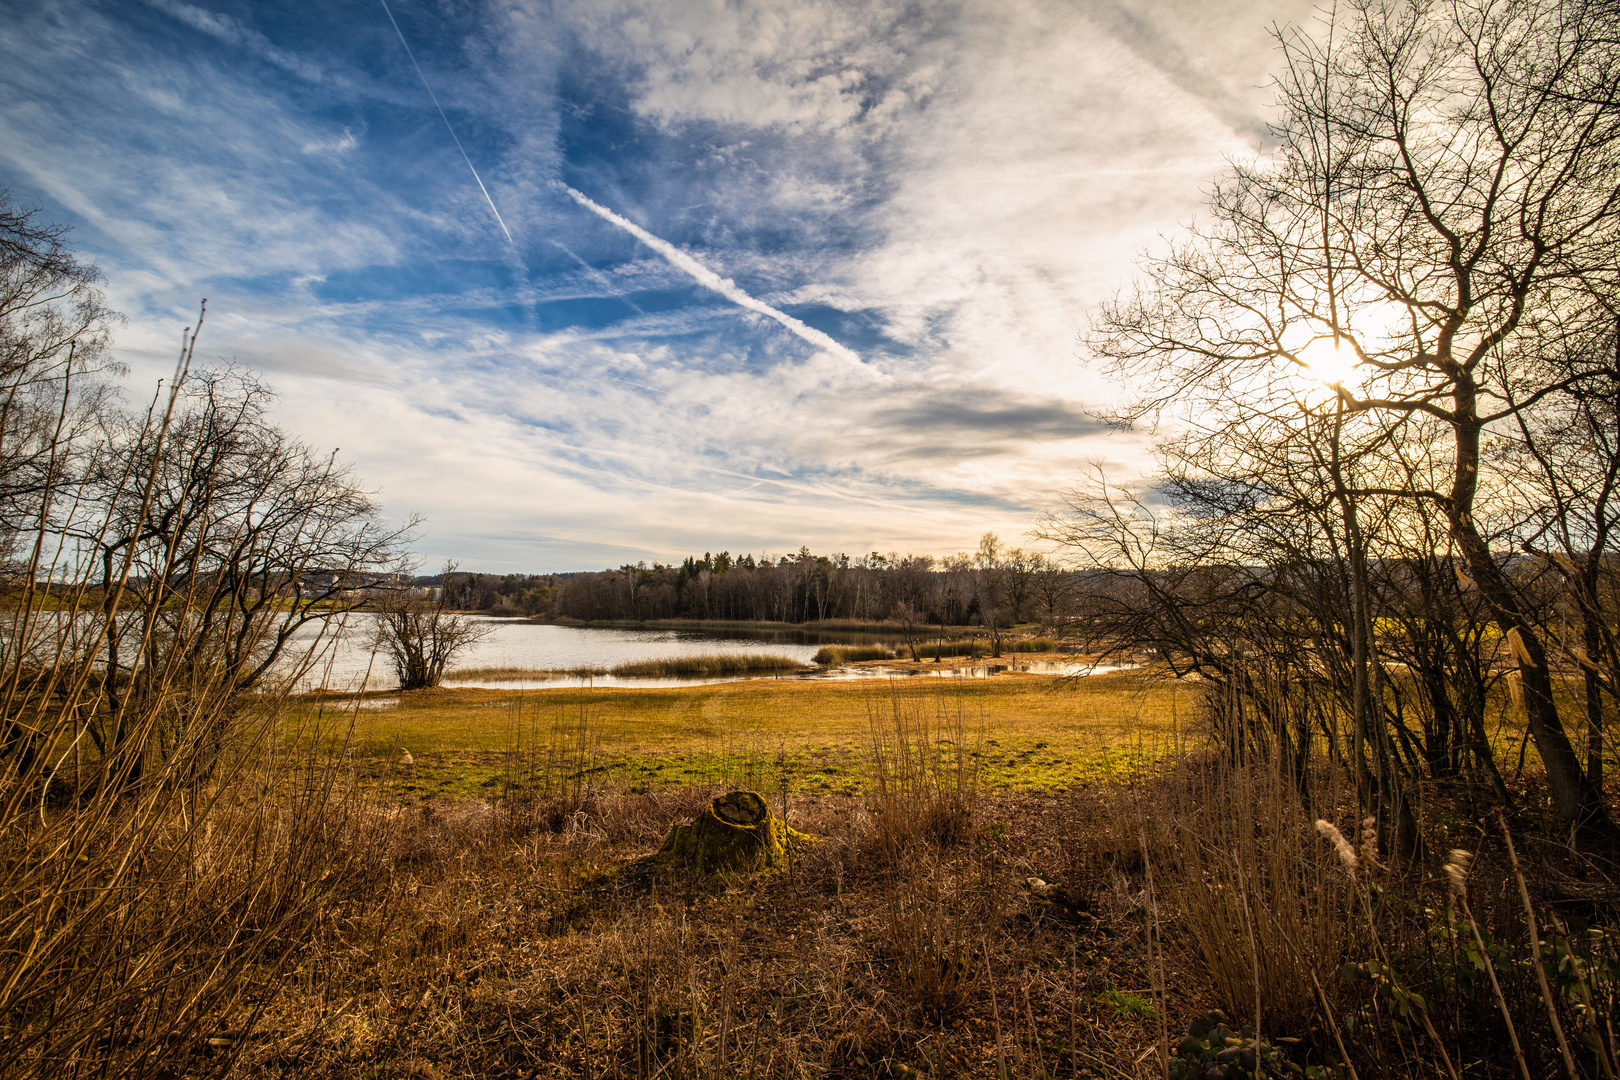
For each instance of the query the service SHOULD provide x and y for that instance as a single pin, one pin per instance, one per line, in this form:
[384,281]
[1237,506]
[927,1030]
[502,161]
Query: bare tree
[257,532]
[911,621]
[1568,464]
[423,635]
[215,540]
[991,578]
[1053,588]
[1019,570]
[54,330]
[1440,212]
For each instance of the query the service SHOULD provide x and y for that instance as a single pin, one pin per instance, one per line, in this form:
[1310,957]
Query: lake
[348,662]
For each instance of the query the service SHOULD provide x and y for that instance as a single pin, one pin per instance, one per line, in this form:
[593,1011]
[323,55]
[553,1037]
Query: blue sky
[779,273]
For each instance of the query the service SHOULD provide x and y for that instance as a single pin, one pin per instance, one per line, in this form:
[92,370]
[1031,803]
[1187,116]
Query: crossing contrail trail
[446,120]
[711,280]
[599,276]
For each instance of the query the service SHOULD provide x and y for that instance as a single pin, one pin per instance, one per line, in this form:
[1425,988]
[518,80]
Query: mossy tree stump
[736,833]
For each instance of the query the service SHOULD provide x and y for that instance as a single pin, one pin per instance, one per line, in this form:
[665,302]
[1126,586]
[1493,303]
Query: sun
[1330,361]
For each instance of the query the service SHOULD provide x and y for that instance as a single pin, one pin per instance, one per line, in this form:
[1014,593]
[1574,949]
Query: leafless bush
[141,928]
[168,845]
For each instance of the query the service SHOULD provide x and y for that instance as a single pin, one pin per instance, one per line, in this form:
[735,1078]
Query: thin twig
[1535,949]
[1155,955]
[1496,988]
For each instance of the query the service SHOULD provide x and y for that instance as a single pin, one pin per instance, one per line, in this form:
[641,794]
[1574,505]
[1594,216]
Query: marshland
[1287,755]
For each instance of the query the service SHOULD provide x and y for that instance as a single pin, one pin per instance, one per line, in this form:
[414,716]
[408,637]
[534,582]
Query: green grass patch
[1032,731]
[1125,1006]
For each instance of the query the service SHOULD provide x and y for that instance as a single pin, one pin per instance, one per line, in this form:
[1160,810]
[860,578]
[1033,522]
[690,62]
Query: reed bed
[828,626]
[669,667]
[514,673]
[833,655]
[740,663]
[939,649]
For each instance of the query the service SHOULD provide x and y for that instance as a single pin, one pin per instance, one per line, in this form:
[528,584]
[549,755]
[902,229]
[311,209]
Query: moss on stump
[736,833]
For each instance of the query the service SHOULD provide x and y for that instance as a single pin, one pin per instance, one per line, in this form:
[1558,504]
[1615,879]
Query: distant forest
[994,586]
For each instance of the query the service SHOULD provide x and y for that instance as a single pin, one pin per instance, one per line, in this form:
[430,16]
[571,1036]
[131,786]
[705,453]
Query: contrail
[446,120]
[599,276]
[711,280]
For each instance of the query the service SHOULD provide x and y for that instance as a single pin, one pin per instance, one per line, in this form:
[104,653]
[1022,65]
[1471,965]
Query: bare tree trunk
[1575,798]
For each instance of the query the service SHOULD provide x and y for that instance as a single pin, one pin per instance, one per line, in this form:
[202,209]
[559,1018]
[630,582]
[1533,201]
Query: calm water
[516,643]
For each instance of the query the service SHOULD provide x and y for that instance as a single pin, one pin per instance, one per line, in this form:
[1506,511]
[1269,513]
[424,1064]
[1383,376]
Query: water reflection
[818,674]
[527,650]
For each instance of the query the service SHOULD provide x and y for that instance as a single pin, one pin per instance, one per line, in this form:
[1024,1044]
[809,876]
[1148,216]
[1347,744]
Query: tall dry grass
[143,924]
[1258,898]
[551,774]
[1282,900]
[832,655]
[923,770]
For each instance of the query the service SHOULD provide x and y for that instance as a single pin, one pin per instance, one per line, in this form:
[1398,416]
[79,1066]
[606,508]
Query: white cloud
[798,66]
[337,144]
[233,31]
[968,178]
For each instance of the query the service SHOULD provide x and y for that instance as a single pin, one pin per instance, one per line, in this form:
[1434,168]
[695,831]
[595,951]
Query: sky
[587,282]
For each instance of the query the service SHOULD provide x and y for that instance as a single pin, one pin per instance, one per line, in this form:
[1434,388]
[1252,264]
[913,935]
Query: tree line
[994,586]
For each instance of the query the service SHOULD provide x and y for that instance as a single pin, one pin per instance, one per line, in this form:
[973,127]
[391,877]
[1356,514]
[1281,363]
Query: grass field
[1035,914]
[1032,731]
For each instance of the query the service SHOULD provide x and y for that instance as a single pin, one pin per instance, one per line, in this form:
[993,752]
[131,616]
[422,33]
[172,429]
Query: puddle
[375,704]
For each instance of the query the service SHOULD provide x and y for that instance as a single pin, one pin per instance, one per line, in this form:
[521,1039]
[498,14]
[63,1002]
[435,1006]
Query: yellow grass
[1037,730]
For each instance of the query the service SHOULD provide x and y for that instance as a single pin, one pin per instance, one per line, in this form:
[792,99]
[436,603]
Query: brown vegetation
[934,928]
